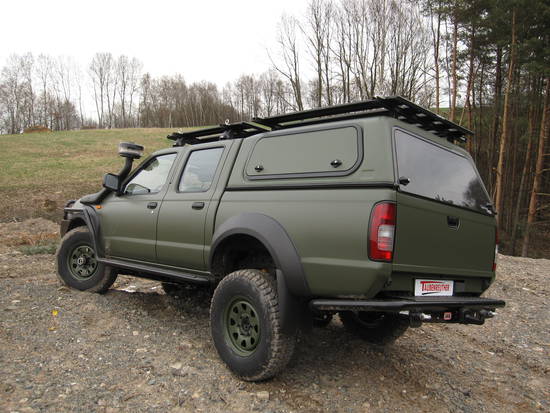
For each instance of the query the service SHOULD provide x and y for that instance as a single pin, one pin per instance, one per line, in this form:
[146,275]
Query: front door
[129,221]
[182,216]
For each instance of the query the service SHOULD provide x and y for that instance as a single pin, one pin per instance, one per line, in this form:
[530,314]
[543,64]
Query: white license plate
[433,288]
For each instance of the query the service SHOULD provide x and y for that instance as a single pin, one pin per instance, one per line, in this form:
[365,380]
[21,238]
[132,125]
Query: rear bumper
[425,304]
[463,310]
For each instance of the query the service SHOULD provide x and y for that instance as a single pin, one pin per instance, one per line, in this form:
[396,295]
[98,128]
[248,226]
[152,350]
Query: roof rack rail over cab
[216,133]
[395,106]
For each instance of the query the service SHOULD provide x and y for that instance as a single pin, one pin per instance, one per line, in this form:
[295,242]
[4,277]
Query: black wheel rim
[242,326]
[82,262]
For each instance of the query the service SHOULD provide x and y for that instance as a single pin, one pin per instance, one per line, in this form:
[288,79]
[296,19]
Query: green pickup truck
[369,210]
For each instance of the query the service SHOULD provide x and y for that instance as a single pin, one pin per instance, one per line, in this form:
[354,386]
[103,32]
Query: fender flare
[91,220]
[275,239]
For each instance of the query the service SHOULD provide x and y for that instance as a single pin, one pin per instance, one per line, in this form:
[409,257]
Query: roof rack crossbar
[395,106]
[216,133]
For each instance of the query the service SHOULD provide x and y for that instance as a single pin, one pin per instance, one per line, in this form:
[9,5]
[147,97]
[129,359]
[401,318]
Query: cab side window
[200,170]
[151,178]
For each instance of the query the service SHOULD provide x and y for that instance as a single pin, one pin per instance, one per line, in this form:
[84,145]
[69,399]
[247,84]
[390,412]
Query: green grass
[31,160]
[44,248]
[37,168]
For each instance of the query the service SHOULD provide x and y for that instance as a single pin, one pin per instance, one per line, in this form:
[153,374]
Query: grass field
[39,172]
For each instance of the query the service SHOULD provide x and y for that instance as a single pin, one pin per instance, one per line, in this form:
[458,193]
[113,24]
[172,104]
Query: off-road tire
[274,348]
[386,330]
[99,280]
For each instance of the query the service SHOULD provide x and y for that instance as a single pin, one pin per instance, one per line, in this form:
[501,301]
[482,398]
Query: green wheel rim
[242,326]
[82,262]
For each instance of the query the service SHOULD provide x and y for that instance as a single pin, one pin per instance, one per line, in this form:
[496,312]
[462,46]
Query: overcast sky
[201,39]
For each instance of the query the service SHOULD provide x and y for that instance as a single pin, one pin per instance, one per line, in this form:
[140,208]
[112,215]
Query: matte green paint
[128,227]
[181,229]
[285,154]
[328,226]
[424,242]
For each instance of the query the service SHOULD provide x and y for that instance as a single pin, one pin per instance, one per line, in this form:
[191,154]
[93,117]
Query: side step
[156,273]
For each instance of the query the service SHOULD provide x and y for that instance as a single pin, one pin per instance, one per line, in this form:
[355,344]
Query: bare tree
[289,49]
[537,179]
[100,73]
[317,32]
[505,122]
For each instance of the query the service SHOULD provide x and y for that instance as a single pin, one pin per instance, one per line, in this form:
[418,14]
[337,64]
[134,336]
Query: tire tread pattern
[109,274]
[282,345]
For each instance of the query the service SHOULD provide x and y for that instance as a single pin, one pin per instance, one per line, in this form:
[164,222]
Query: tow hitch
[462,316]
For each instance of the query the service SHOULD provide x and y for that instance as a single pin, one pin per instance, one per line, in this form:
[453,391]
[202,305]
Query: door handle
[152,205]
[197,205]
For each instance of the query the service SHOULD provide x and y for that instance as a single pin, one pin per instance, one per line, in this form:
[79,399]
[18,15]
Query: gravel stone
[90,348]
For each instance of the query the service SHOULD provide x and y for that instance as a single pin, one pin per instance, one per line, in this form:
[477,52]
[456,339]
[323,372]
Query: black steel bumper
[406,304]
[464,310]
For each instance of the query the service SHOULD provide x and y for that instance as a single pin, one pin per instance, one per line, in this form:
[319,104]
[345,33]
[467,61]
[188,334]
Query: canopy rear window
[439,173]
[328,151]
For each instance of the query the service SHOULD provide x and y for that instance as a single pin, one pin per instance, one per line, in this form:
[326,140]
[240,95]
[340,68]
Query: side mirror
[112,182]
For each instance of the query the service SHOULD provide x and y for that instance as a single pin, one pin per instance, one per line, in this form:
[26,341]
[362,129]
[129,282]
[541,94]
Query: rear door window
[200,170]
[334,151]
[439,173]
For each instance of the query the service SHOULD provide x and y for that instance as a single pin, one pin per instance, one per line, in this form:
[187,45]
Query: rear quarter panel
[329,230]
[328,225]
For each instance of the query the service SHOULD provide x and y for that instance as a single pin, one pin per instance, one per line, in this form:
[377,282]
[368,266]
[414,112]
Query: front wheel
[77,264]
[246,325]
[374,327]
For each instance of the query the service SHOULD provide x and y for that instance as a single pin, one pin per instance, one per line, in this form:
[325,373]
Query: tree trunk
[504,136]
[436,61]
[496,117]
[454,75]
[522,180]
[544,130]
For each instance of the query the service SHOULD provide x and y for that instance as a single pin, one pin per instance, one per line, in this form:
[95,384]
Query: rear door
[444,223]
[185,208]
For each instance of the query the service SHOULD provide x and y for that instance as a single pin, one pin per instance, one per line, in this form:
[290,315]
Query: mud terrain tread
[282,345]
[109,275]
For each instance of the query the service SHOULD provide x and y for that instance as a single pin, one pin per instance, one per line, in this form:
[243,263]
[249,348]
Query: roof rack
[216,133]
[395,106]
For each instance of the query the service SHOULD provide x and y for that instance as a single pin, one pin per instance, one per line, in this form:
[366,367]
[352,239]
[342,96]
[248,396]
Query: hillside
[41,171]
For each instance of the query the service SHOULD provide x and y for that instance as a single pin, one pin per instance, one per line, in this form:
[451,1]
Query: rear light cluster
[382,232]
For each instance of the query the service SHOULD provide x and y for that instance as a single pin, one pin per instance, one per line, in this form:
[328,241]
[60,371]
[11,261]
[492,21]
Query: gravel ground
[136,349]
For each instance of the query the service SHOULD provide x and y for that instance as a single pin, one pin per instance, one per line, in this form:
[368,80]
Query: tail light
[496,250]
[382,232]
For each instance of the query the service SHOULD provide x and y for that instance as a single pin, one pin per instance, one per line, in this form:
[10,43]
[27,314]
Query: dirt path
[136,349]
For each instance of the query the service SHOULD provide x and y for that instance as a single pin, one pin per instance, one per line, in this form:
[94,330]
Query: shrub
[37,128]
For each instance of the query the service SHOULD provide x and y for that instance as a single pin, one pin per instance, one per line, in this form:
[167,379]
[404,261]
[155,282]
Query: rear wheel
[246,325]
[77,264]
[374,327]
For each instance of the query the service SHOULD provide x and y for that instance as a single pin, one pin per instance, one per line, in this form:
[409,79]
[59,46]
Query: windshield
[438,173]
